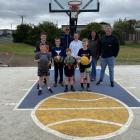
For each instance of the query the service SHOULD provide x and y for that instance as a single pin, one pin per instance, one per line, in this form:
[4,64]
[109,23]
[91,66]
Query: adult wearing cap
[66,38]
[109,51]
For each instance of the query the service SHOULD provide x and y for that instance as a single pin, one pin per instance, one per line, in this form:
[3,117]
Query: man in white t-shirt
[75,45]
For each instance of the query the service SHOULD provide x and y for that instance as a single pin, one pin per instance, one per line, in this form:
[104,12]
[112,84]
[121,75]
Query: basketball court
[103,113]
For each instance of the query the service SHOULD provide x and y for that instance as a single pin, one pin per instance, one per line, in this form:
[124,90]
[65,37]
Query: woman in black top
[94,47]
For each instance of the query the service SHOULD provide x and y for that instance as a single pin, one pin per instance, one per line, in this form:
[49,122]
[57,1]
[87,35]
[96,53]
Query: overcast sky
[38,10]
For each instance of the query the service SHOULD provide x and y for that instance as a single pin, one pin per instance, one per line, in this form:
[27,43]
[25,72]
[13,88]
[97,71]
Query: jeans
[93,70]
[110,61]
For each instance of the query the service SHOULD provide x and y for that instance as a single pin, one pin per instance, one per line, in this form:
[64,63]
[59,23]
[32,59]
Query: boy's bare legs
[82,77]
[48,83]
[88,81]
[40,84]
[66,84]
[72,83]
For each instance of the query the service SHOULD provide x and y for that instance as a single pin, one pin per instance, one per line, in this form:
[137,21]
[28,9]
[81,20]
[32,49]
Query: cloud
[36,11]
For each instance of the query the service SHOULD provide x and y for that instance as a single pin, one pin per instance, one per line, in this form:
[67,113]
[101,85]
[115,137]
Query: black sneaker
[99,82]
[112,84]
[72,89]
[50,90]
[66,90]
[39,92]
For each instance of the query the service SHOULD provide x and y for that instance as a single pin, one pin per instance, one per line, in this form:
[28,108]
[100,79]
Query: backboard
[62,6]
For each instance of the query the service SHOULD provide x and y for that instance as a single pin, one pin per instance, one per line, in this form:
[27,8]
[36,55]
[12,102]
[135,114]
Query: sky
[37,11]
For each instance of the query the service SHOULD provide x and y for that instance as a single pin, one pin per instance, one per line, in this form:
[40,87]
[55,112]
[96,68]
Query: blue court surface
[32,99]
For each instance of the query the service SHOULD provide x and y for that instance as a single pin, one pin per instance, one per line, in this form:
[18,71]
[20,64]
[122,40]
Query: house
[5,32]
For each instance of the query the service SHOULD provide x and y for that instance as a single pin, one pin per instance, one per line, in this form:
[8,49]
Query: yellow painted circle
[82,115]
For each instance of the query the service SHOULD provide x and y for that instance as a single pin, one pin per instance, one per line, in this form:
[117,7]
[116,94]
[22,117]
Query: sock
[82,85]
[88,85]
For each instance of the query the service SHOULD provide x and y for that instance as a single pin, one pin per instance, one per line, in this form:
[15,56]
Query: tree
[92,26]
[22,33]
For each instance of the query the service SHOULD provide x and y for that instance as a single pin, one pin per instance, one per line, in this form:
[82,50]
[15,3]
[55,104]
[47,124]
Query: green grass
[17,48]
[129,54]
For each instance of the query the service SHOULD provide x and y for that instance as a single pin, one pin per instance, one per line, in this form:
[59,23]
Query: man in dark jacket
[66,39]
[109,51]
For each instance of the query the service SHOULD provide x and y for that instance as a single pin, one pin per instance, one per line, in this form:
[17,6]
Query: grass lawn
[129,53]
[17,48]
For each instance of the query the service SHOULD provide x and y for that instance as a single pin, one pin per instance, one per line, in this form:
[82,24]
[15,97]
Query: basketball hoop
[74,6]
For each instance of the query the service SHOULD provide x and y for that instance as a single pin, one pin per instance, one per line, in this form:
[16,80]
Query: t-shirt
[75,46]
[44,60]
[83,52]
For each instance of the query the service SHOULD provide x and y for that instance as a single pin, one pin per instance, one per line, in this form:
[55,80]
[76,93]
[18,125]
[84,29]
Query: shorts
[83,68]
[43,72]
[69,72]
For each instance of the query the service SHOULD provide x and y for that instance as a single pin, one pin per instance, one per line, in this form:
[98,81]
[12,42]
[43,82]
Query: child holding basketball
[43,58]
[85,58]
[58,55]
[69,68]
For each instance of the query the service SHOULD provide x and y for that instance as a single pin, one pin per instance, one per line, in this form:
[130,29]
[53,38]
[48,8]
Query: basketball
[58,59]
[84,60]
[69,60]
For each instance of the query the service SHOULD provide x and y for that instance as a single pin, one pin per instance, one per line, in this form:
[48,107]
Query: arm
[37,58]
[116,47]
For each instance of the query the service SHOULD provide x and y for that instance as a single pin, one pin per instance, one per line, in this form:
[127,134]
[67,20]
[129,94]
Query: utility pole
[22,18]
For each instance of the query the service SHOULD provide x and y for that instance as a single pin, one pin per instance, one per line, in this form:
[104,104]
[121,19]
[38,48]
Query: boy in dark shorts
[58,55]
[85,58]
[43,58]
[69,68]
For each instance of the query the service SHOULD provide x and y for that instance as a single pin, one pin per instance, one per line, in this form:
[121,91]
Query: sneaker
[39,92]
[99,82]
[72,89]
[50,90]
[92,80]
[112,84]
[55,85]
[66,90]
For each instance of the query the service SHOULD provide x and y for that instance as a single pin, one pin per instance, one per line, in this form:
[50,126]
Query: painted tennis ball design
[84,60]
[82,116]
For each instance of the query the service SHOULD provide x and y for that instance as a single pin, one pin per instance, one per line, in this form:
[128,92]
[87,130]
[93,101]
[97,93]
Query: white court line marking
[64,136]
[23,89]
[16,107]
[67,99]
[10,104]
[131,87]
[32,80]
[83,119]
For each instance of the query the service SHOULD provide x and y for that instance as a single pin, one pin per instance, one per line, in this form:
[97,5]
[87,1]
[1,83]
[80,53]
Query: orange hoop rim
[75,3]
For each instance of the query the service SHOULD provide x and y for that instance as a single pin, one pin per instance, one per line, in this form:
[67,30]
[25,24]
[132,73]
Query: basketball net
[74,6]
